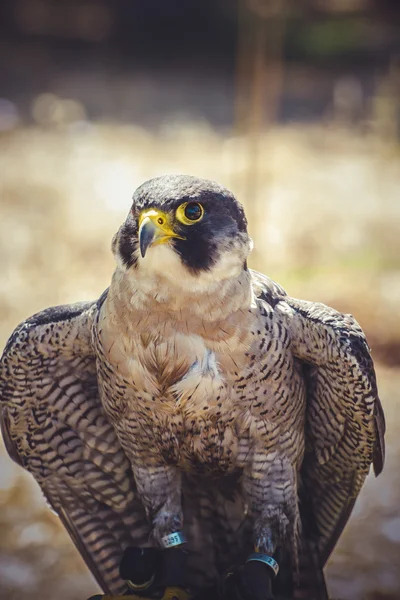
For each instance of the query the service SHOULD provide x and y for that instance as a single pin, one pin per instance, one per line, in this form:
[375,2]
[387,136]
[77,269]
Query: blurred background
[294,105]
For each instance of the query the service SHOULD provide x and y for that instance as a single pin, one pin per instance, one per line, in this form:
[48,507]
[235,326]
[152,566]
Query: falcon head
[181,226]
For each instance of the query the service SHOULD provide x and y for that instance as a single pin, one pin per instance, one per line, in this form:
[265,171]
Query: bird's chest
[178,398]
[191,412]
[176,379]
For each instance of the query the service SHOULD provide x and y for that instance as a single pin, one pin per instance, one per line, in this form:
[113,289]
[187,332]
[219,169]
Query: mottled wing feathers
[345,424]
[53,426]
[379,451]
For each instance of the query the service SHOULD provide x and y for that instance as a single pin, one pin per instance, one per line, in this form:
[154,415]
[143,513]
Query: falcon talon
[138,587]
[139,567]
[191,380]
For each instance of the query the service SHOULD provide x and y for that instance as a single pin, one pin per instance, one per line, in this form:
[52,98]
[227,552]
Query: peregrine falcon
[195,414]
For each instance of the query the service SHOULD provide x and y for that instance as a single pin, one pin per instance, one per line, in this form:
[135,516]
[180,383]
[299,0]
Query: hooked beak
[154,228]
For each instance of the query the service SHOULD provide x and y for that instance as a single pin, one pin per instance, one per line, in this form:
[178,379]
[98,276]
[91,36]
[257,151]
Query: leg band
[173,539]
[267,560]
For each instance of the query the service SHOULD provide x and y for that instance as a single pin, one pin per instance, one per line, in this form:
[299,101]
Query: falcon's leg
[270,489]
[159,488]
[154,570]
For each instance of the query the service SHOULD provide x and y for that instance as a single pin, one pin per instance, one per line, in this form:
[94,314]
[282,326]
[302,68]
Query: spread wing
[53,426]
[345,424]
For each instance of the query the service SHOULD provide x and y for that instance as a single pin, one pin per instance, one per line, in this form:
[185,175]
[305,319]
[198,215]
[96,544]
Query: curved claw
[154,573]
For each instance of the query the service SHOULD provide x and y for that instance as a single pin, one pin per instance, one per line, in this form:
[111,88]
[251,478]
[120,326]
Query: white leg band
[173,539]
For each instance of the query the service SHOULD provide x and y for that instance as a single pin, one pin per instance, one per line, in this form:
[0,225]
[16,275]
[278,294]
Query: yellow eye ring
[190,213]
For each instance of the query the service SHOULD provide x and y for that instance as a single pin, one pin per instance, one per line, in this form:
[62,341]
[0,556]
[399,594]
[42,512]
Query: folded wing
[53,425]
[345,423]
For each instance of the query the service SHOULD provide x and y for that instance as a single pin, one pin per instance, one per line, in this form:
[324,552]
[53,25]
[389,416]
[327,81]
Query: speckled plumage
[194,394]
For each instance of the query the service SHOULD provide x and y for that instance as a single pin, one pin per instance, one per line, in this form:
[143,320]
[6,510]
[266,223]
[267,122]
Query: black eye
[193,211]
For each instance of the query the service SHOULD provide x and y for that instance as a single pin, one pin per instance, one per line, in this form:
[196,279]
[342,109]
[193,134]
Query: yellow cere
[158,217]
[162,221]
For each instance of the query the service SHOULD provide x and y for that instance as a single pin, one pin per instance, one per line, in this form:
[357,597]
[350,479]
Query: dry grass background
[325,217]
